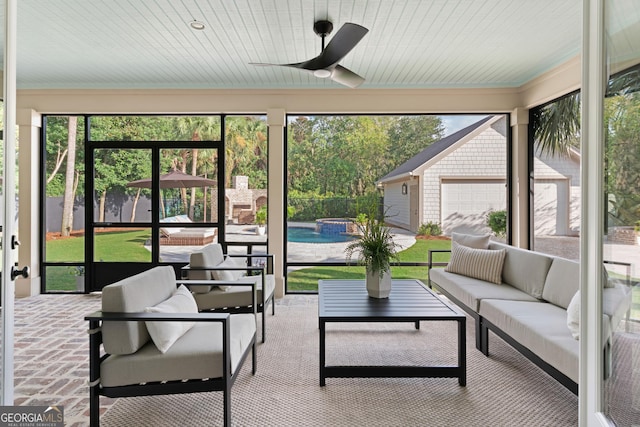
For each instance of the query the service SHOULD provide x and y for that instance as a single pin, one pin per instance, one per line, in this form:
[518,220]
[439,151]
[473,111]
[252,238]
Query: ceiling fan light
[197,25]
[322,73]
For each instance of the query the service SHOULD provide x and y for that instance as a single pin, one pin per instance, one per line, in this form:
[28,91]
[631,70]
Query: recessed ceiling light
[197,25]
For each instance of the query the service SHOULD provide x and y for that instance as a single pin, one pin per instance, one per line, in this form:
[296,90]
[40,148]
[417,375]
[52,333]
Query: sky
[453,123]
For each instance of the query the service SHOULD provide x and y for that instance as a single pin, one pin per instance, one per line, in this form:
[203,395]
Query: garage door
[465,204]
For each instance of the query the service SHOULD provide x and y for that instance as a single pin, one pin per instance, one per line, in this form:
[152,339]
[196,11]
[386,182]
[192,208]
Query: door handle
[24,272]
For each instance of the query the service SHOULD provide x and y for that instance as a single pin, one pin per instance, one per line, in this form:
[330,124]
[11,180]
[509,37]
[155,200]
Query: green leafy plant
[497,222]
[77,270]
[361,218]
[261,215]
[375,247]
[291,211]
[430,229]
[636,227]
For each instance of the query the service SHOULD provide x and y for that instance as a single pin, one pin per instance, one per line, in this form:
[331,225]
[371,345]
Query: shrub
[430,229]
[497,222]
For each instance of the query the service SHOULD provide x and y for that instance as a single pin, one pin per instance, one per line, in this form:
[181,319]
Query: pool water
[309,235]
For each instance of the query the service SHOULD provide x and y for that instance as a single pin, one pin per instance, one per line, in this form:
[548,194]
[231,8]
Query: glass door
[154,190]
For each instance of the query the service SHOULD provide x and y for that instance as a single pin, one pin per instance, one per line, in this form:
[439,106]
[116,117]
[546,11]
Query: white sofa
[150,339]
[527,307]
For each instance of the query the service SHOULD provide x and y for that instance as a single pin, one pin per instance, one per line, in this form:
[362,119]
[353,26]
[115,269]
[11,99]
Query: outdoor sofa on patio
[231,283]
[156,342]
[527,298]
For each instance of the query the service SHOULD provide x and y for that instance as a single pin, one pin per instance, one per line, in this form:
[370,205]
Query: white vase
[379,285]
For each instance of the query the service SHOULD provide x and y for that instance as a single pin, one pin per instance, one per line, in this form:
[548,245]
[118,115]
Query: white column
[276,119]
[30,123]
[592,216]
[520,177]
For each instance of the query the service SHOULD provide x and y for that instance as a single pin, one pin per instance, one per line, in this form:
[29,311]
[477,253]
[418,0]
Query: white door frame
[8,224]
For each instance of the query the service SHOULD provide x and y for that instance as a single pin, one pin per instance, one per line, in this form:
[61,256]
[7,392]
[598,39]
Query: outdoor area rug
[502,390]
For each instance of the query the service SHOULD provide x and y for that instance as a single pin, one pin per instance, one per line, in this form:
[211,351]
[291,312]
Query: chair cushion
[195,355]
[236,296]
[209,256]
[480,264]
[133,295]
[227,275]
[164,334]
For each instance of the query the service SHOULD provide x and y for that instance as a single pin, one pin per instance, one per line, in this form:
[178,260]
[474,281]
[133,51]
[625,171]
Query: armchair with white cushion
[150,339]
[230,283]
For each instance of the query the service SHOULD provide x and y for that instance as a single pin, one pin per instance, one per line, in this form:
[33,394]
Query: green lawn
[117,246]
[307,279]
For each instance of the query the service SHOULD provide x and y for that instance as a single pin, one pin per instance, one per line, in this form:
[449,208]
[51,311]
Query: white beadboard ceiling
[411,43]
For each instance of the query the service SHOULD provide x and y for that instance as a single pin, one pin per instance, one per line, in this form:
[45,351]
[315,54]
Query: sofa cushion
[133,295]
[480,264]
[562,282]
[164,334]
[524,269]
[195,355]
[470,291]
[471,241]
[539,326]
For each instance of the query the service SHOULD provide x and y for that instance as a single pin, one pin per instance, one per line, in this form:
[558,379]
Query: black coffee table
[409,301]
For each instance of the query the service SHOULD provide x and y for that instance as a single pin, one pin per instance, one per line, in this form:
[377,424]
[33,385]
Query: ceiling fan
[326,64]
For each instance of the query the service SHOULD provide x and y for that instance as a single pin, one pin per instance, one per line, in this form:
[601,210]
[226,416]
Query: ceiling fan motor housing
[323,28]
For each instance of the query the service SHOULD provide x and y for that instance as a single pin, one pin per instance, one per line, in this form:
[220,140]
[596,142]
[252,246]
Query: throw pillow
[483,264]
[607,282]
[228,275]
[573,315]
[471,241]
[239,262]
[165,334]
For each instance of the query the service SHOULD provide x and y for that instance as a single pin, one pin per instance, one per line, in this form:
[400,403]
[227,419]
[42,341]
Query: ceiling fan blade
[342,43]
[266,64]
[346,77]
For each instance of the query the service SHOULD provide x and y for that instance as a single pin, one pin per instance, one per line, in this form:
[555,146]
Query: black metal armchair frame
[260,307]
[223,384]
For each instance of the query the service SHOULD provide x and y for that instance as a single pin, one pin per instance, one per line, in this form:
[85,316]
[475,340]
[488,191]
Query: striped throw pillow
[483,264]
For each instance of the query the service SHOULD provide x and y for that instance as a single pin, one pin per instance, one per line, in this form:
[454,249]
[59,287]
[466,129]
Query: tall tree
[556,126]
[70,178]
[197,128]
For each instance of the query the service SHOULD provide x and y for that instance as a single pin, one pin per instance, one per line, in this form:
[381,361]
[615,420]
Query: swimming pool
[309,235]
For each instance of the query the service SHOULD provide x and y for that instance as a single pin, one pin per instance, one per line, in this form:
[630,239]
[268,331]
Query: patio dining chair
[230,283]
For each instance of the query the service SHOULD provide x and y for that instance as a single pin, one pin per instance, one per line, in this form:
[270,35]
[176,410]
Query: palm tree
[197,128]
[556,126]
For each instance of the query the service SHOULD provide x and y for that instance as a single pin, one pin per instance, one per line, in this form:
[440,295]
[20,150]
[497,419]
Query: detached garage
[466,202]
[460,179]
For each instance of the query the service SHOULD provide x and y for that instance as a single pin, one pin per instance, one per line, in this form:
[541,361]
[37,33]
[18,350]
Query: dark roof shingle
[433,150]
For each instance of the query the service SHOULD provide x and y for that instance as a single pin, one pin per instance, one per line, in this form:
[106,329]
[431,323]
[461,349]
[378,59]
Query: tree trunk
[67,204]
[103,199]
[194,171]
[135,204]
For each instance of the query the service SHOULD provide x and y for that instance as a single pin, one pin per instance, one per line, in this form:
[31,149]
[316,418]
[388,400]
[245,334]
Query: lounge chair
[220,282]
[185,236]
[141,316]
